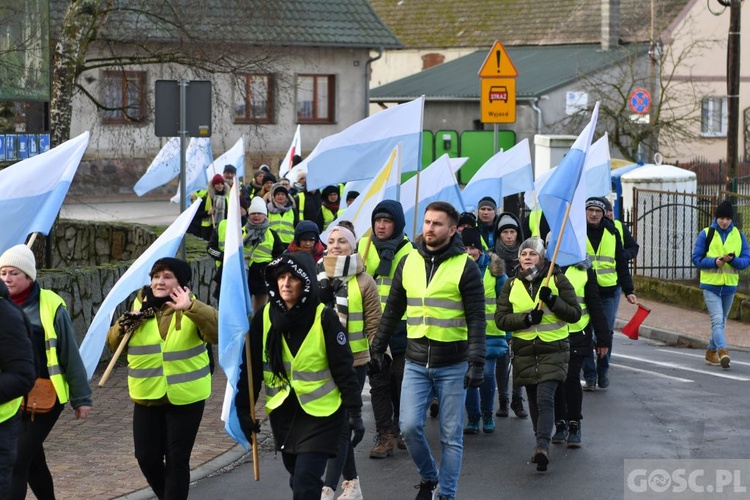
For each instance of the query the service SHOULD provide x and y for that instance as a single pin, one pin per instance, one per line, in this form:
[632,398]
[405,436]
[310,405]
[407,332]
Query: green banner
[24,50]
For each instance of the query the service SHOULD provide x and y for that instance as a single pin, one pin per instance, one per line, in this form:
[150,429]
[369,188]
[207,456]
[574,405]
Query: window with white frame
[316,96]
[123,96]
[254,101]
[714,117]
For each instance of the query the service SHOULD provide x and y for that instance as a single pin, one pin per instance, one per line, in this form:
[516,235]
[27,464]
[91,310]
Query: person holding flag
[169,378]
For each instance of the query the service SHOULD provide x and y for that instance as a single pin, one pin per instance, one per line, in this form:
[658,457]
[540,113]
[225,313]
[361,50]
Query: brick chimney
[610,23]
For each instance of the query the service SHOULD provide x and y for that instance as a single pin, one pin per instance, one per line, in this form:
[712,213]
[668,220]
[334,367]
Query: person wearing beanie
[281,213]
[308,202]
[604,249]
[538,314]
[351,196]
[466,219]
[256,185]
[296,335]
[54,340]
[486,212]
[331,200]
[166,332]
[382,250]
[214,200]
[352,293]
[720,252]
[267,184]
[307,239]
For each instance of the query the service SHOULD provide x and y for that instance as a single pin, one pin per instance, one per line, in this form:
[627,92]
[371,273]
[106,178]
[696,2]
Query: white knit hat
[258,206]
[20,257]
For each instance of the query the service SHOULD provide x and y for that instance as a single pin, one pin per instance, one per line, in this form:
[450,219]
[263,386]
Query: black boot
[502,411]
[516,405]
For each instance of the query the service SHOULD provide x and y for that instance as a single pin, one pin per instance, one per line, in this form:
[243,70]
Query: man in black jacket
[17,375]
[440,289]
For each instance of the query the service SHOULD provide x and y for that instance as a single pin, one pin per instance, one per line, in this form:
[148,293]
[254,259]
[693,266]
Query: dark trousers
[502,377]
[542,410]
[164,436]
[31,464]
[385,393]
[306,471]
[569,396]
[8,444]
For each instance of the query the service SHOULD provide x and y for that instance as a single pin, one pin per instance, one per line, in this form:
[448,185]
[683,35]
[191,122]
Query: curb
[671,337]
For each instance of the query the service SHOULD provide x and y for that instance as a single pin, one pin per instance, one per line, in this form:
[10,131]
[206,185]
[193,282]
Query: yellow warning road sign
[498,100]
[498,64]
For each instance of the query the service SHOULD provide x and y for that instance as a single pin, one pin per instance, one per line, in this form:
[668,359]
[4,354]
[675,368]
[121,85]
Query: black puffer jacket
[423,350]
[17,369]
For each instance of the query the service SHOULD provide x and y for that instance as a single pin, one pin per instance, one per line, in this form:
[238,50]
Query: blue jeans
[600,366]
[420,385]
[485,392]
[718,309]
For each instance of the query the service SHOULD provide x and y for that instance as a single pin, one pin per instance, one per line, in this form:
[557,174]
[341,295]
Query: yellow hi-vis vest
[603,260]
[10,408]
[262,252]
[618,226]
[373,260]
[283,224]
[725,275]
[551,328]
[308,372]
[355,316]
[535,222]
[490,304]
[49,302]
[176,366]
[436,310]
[578,278]
[222,233]
[328,216]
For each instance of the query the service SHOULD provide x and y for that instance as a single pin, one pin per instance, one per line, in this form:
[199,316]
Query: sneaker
[561,432]
[472,426]
[426,488]
[712,358]
[434,408]
[540,458]
[400,443]
[502,411]
[326,493]
[603,381]
[589,385]
[383,445]
[351,489]
[488,422]
[724,357]
[574,434]
[516,405]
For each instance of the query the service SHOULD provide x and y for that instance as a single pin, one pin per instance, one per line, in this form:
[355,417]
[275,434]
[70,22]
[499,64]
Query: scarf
[131,320]
[219,204]
[507,252]
[275,208]
[334,274]
[529,274]
[387,252]
[255,233]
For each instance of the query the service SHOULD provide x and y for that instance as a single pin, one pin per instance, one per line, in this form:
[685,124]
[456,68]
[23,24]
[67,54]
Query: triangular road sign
[498,63]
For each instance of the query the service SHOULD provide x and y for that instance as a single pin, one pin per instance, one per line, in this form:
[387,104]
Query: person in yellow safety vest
[281,213]
[486,214]
[352,293]
[308,203]
[605,251]
[169,377]
[301,352]
[330,205]
[214,200]
[720,252]
[536,224]
[17,375]
[538,311]
[569,395]
[54,340]
[439,287]
[230,175]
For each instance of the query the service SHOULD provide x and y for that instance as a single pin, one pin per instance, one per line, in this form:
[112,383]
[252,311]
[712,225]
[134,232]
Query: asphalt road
[663,403]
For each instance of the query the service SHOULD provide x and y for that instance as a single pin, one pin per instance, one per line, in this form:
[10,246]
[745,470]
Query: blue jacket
[740,262]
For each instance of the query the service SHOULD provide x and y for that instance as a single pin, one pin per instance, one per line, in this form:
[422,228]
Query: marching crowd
[436,325]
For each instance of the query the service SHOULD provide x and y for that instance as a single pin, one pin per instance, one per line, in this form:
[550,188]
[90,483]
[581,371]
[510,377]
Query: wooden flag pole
[254,437]
[416,205]
[114,359]
[31,241]
[557,245]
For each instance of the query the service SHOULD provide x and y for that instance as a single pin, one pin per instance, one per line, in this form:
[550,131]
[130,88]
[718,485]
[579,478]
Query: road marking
[640,370]
[683,367]
[701,356]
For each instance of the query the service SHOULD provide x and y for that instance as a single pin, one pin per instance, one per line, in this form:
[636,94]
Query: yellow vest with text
[551,328]
[490,304]
[725,275]
[308,372]
[177,365]
[578,278]
[10,408]
[603,260]
[49,302]
[436,310]
[373,260]
[283,224]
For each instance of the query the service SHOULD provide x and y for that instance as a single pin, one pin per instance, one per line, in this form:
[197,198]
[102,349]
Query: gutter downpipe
[368,64]
[538,112]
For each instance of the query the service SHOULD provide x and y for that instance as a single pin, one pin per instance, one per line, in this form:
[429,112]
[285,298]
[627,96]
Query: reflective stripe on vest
[551,328]
[49,302]
[436,310]
[262,251]
[10,408]
[490,304]
[373,260]
[725,275]
[310,377]
[353,309]
[176,366]
[578,278]
[603,260]
[283,224]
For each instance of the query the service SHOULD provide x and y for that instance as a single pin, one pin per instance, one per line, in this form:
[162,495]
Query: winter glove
[249,426]
[534,317]
[357,426]
[379,362]
[474,375]
[545,293]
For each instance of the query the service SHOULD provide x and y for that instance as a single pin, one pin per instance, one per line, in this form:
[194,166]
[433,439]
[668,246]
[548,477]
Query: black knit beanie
[724,209]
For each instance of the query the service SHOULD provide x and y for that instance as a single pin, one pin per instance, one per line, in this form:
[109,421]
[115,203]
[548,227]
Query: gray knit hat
[536,244]
[21,257]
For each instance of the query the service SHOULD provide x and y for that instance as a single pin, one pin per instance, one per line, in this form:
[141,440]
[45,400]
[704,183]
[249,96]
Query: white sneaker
[351,491]
[326,493]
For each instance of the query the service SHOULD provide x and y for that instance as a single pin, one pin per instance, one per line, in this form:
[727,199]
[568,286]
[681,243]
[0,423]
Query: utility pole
[733,90]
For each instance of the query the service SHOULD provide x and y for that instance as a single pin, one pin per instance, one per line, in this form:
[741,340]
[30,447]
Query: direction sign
[498,100]
[640,101]
[498,63]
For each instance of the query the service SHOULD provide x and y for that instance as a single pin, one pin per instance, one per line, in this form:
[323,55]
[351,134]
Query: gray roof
[540,70]
[331,23]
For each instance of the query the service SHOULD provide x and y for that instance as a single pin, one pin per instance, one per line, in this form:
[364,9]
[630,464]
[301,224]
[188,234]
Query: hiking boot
[589,385]
[351,489]
[383,444]
[326,493]
[540,458]
[516,405]
[488,422]
[426,489]
[561,432]
[400,442]
[502,411]
[574,434]
[712,358]
[472,427]
[724,357]
[434,408]
[603,381]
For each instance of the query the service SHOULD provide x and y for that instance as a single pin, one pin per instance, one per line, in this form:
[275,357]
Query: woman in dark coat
[293,334]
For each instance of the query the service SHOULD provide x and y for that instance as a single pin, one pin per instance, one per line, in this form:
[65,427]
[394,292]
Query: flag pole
[250,388]
[115,357]
[557,244]
[31,241]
